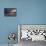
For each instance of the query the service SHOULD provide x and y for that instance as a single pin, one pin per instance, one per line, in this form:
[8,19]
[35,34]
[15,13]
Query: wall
[28,12]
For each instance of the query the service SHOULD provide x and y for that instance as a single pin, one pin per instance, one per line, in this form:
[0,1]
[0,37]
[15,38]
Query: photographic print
[9,11]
